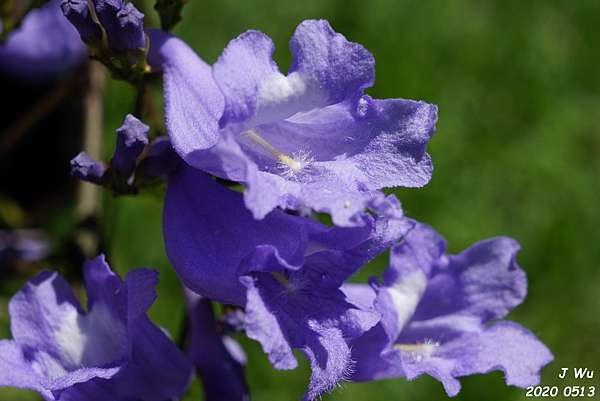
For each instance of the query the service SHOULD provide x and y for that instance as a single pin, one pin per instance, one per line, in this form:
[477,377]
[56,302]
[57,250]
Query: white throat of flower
[406,293]
[289,166]
[91,339]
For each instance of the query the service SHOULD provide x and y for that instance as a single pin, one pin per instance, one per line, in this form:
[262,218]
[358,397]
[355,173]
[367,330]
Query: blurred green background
[517,153]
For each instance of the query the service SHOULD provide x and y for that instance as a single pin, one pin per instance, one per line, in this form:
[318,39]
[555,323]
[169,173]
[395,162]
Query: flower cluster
[253,157]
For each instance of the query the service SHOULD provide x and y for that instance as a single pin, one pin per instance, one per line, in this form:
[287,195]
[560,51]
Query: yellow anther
[282,157]
[281,278]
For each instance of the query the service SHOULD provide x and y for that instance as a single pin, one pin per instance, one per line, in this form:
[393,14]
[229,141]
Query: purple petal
[140,285]
[290,312]
[505,346]
[244,64]
[326,69]
[420,250]
[193,103]
[484,280]
[262,325]
[396,154]
[44,46]
[128,300]
[158,370]
[341,68]
[330,361]
[511,348]
[206,246]
[77,377]
[333,192]
[220,371]
[103,286]
[41,311]
[16,370]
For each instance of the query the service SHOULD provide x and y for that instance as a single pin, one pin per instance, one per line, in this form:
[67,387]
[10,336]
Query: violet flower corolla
[111,352]
[286,271]
[311,139]
[218,358]
[44,46]
[441,315]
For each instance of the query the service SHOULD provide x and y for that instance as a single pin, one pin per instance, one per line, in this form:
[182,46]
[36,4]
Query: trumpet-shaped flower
[441,315]
[308,139]
[110,352]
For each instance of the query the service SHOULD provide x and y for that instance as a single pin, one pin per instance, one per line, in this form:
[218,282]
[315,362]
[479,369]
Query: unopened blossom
[132,138]
[112,351]
[285,270]
[87,169]
[44,46]
[123,24]
[441,315]
[79,14]
[308,139]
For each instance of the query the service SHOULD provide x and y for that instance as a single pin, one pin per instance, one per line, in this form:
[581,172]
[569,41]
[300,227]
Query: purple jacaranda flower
[132,138]
[87,169]
[285,270]
[440,315]
[44,46]
[110,352]
[310,139]
[219,359]
[78,13]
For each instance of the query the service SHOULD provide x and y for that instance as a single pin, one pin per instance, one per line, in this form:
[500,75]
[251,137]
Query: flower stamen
[419,351]
[284,159]
[281,278]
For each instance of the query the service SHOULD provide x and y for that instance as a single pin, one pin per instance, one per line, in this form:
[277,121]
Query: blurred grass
[517,152]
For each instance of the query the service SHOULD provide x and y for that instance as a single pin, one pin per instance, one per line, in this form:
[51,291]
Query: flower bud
[78,13]
[131,29]
[87,169]
[132,137]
